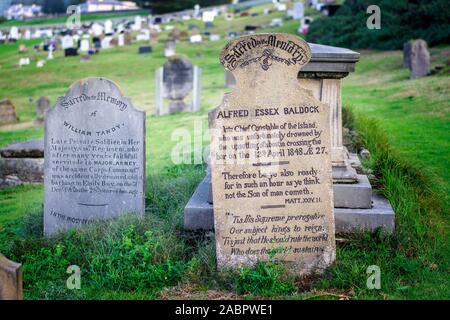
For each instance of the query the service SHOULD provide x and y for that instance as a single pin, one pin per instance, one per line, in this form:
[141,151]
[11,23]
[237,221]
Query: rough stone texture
[199,214]
[26,149]
[10,280]
[380,215]
[254,165]
[353,195]
[177,82]
[94,156]
[7,112]
[419,61]
[21,170]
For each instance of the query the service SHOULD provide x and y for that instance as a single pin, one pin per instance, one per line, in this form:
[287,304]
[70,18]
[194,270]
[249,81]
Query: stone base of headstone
[10,280]
[22,163]
[356,207]
[178,106]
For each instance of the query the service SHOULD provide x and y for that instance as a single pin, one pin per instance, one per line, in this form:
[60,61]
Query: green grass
[403,123]
[414,113]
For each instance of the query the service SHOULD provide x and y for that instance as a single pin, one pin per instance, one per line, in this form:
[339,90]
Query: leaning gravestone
[271,163]
[7,112]
[94,156]
[10,280]
[177,82]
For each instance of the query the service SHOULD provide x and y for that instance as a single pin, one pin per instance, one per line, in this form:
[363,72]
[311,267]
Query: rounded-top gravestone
[94,165]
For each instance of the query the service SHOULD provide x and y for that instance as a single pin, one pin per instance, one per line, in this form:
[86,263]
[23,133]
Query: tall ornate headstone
[94,156]
[270,159]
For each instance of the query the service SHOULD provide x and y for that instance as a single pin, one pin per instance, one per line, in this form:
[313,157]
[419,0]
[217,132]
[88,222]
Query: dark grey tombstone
[177,82]
[94,165]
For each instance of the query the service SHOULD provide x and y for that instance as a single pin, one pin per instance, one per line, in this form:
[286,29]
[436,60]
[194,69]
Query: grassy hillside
[404,123]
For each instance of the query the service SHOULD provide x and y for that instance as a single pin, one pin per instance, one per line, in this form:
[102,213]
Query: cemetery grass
[154,258]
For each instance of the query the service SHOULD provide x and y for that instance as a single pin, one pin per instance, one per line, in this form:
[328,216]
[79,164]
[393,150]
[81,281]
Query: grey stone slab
[94,157]
[353,195]
[331,60]
[26,149]
[199,214]
[344,174]
[26,170]
[380,215]
[354,161]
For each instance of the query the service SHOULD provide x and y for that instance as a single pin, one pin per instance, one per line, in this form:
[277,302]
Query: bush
[400,21]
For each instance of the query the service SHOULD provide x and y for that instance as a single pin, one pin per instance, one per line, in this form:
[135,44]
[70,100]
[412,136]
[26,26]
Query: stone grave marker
[271,160]
[178,78]
[10,279]
[419,59]
[94,156]
[7,112]
[42,105]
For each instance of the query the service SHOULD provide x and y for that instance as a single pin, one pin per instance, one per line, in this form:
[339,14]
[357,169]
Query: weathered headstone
[271,163]
[94,156]
[419,59]
[177,82]
[21,163]
[42,105]
[10,280]
[7,112]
